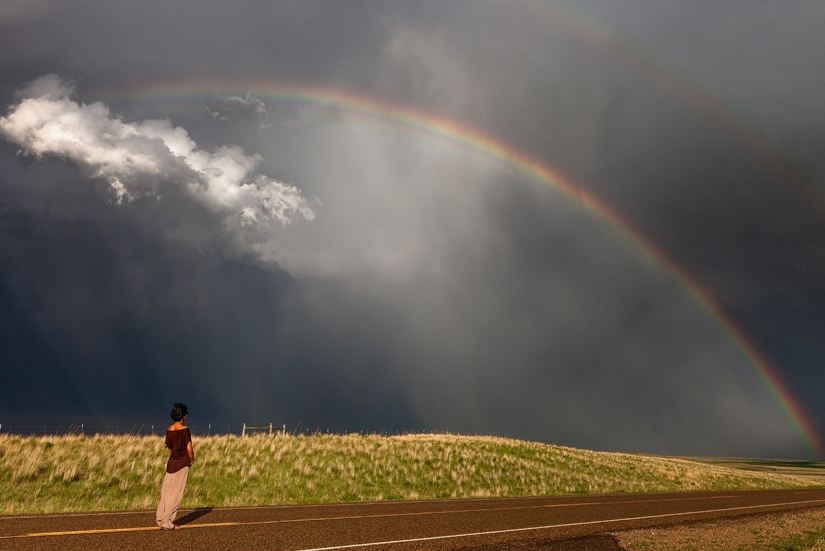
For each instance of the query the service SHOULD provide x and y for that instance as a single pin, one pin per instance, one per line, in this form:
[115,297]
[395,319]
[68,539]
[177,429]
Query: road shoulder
[750,533]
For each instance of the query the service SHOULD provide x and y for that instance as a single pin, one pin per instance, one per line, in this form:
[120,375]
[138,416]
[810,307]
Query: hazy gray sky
[172,230]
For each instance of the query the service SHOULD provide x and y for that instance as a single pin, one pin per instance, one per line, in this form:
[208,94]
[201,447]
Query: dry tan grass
[74,473]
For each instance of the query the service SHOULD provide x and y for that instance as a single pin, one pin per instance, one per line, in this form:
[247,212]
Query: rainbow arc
[461,137]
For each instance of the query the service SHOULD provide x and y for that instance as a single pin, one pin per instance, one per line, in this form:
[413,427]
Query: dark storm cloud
[14,12]
[751,223]
[303,40]
[431,290]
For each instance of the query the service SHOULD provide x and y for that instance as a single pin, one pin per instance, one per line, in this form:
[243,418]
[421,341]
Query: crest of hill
[84,473]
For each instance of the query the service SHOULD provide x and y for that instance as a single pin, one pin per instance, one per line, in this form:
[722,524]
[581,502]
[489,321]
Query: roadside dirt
[752,533]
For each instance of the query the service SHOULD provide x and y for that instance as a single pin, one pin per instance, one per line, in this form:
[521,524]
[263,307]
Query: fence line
[246,427]
[150,429]
[145,429]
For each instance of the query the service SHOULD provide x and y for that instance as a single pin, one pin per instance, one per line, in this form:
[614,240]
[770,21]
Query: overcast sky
[267,260]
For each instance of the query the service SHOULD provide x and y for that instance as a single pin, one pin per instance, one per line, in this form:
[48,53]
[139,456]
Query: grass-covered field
[81,473]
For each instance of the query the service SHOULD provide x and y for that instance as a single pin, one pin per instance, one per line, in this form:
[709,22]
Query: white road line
[404,514]
[300,505]
[295,520]
[569,525]
[644,499]
[70,515]
[351,517]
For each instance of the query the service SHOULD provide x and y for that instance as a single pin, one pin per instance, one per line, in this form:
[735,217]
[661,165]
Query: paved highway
[478,524]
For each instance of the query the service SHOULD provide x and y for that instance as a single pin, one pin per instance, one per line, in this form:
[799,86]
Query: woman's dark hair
[179,411]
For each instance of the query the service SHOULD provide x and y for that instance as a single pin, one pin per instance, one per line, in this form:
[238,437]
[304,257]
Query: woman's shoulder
[173,428]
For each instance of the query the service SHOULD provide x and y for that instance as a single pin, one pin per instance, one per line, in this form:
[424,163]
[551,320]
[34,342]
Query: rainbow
[467,140]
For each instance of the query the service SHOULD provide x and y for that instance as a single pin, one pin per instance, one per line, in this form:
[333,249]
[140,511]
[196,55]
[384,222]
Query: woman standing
[179,442]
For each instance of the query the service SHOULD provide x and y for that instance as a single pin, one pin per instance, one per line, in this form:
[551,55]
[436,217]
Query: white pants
[170,497]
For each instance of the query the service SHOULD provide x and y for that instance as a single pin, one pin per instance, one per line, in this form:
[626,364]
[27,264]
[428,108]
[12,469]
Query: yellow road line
[81,532]
[346,517]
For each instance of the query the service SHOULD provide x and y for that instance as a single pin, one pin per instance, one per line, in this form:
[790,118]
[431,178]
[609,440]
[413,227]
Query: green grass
[79,473]
[805,542]
[789,464]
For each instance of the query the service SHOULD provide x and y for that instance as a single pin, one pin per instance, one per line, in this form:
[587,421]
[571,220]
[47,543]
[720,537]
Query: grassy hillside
[80,473]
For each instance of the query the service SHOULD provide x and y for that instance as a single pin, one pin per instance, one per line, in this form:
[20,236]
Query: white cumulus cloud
[140,158]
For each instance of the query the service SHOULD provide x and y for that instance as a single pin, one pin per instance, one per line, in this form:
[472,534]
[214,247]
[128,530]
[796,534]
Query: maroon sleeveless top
[176,441]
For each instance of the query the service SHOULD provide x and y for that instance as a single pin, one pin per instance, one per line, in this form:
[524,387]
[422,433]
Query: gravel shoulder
[751,533]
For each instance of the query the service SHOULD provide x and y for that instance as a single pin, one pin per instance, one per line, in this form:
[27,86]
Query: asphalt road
[542,523]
